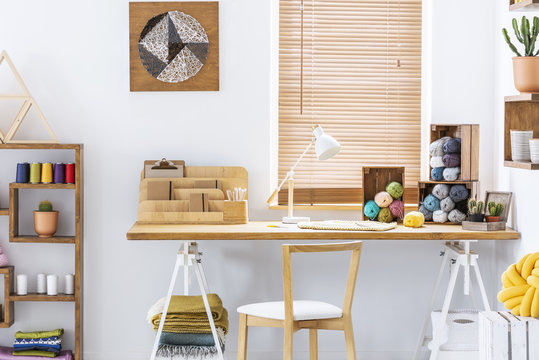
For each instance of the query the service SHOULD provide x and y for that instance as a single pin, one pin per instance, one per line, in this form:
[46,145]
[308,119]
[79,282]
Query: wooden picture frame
[503,197]
[181,60]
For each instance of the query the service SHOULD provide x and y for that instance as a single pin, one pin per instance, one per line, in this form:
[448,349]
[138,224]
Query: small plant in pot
[495,210]
[525,67]
[475,209]
[45,220]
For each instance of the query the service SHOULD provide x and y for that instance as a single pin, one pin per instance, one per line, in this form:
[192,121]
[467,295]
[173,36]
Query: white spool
[52,285]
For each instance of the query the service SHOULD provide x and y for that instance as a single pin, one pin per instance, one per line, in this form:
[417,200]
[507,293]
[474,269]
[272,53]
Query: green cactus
[495,209]
[45,206]
[475,207]
[524,35]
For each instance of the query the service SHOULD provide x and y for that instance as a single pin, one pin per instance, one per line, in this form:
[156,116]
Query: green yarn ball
[395,189]
[385,215]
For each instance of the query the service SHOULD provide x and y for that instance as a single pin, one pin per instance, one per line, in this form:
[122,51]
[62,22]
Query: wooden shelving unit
[523,5]
[521,113]
[77,240]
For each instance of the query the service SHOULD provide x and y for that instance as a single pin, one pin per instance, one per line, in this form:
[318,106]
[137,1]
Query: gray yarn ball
[451,174]
[447,204]
[439,216]
[426,213]
[437,161]
[441,191]
[456,216]
[437,147]
[458,193]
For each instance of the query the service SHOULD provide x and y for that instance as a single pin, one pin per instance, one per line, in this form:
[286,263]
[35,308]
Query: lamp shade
[326,146]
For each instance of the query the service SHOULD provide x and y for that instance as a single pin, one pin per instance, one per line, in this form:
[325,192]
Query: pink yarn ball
[397,209]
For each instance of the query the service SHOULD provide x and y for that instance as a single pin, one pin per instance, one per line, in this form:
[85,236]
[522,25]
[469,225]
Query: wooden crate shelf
[37,240]
[41,297]
[521,113]
[41,186]
[523,5]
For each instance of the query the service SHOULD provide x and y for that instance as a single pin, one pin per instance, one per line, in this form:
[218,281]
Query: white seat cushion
[303,310]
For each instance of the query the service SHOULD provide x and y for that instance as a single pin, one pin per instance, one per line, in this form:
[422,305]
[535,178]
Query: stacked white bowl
[534,150]
[520,145]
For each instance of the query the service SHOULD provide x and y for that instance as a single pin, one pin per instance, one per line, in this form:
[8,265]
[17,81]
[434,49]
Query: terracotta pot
[45,223]
[526,73]
[491,218]
[477,217]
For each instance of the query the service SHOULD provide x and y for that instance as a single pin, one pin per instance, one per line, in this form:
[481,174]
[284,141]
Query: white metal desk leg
[167,303]
[481,285]
[431,306]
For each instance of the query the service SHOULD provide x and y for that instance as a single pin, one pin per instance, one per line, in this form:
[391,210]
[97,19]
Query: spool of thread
[439,216]
[458,193]
[23,173]
[22,284]
[371,210]
[59,173]
[69,284]
[397,209]
[383,199]
[427,214]
[41,284]
[52,285]
[447,204]
[441,191]
[436,161]
[456,216]
[451,160]
[431,203]
[70,173]
[452,146]
[385,215]
[451,174]
[46,173]
[395,189]
[35,173]
[437,174]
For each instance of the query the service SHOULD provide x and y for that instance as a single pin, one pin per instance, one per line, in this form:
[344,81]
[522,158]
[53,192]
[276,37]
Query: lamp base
[295,219]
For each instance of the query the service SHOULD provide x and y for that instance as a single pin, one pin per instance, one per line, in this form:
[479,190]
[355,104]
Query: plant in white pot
[45,220]
[525,67]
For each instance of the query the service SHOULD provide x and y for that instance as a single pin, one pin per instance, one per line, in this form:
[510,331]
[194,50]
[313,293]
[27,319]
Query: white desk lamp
[326,147]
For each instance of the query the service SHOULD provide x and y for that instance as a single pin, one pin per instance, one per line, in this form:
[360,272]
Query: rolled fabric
[431,203]
[436,148]
[451,174]
[458,193]
[371,210]
[395,189]
[397,209]
[441,191]
[436,161]
[452,146]
[439,216]
[383,199]
[385,215]
[462,206]
[437,174]
[414,219]
[451,160]
[447,204]
[456,216]
[427,214]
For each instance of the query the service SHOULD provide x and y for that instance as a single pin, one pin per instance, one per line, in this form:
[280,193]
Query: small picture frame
[502,197]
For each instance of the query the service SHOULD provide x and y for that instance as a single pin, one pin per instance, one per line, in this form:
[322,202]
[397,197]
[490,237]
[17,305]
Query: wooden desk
[259,230]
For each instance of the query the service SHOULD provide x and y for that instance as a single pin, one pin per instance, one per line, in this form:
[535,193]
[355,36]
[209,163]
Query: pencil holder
[23,172]
[236,212]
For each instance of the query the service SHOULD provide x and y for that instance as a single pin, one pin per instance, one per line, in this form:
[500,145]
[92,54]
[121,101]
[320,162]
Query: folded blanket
[38,334]
[40,348]
[191,339]
[6,354]
[209,357]
[34,353]
[53,340]
[190,325]
[187,352]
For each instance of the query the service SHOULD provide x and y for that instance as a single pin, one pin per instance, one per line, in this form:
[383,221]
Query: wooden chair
[293,315]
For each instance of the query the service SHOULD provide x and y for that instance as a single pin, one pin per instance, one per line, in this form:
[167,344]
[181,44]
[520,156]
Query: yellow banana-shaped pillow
[520,292]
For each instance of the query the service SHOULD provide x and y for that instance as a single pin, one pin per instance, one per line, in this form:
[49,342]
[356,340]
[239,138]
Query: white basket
[460,333]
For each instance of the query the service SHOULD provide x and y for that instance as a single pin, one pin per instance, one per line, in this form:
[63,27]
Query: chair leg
[242,338]
[349,339]
[288,342]
[313,344]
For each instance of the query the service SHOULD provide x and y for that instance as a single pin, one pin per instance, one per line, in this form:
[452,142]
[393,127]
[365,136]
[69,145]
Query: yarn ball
[451,174]
[452,146]
[385,215]
[451,160]
[414,219]
[520,293]
[397,209]
[447,204]
[458,193]
[383,199]
[437,174]
[371,210]
[437,147]
[462,206]
[395,189]
[456,216]
[439,216]
[3,258]
[427,214]
[436,161]
[431,203]
[441,191]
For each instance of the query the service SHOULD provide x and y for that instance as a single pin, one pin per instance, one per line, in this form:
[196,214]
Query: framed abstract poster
[174,46]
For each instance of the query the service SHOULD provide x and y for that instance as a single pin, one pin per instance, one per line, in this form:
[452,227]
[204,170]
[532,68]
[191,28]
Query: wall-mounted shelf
[37,240]
[41,186]
[41,297]
[521,165]
[9,286]
[523,5]
[521,113]
[4,212]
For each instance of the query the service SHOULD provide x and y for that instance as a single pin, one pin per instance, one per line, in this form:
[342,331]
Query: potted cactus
[475,209]
[526,64]
[45,220]
[495,210]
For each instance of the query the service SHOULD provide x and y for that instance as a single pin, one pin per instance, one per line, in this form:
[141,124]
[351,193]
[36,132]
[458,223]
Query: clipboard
[163,169]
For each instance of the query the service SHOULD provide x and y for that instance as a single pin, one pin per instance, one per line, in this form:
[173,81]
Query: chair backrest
[355,247]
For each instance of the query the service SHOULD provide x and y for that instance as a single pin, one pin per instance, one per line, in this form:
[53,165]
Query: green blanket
[34,353]
[38,334]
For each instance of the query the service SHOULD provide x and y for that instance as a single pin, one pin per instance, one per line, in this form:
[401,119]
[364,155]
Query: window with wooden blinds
[354,67]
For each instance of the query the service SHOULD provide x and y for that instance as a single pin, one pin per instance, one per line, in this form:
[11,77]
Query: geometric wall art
[174,46]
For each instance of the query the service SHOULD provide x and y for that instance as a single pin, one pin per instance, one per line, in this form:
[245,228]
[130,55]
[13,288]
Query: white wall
[74,57]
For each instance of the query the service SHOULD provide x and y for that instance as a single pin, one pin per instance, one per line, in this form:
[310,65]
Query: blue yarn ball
[371,210]
[426,213]
[452,146]
[458,193]
[437,174]
[431,203]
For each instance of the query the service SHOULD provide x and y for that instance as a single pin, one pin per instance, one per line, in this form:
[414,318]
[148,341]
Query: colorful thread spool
[23,172]
[35,173]
[70,173]
[59,173]
[46,173]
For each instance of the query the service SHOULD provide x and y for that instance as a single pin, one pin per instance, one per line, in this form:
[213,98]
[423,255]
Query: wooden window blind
[354,67]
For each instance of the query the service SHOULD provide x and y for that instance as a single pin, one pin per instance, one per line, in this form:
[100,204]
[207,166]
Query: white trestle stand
[461,257]
[188,256]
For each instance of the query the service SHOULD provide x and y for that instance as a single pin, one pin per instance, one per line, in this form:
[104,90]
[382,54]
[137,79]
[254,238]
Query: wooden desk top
[259,230]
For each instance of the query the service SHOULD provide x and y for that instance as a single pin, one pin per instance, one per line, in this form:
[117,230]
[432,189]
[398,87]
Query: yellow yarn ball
[520,292]
[414,219]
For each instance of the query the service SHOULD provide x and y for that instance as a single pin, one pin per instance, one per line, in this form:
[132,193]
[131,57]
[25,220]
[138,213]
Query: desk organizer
[191,200]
